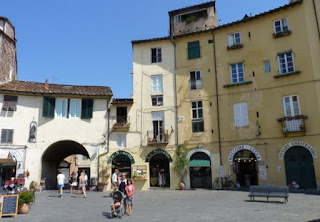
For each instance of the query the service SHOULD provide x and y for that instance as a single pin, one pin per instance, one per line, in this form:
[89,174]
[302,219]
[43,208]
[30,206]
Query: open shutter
[48,107]
[10,136]
[237,114]
[87,108]
[230,40]
[198,80]
[244,113]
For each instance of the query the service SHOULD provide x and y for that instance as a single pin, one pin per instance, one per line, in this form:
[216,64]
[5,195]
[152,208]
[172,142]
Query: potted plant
[25,198]
[102,186]
[180,164]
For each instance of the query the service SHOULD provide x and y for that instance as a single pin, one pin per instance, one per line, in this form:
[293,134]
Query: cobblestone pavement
[167,205]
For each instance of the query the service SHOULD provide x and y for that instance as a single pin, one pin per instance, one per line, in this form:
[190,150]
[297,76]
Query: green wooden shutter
[86,108]
[193,50]
[48,107]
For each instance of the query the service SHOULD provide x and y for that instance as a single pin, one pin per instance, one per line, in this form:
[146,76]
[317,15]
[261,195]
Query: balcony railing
[293,124]
[158,137]
[120,122]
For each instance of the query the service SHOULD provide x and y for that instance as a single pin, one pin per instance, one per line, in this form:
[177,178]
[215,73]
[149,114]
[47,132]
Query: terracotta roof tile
[41,88]
[122,101]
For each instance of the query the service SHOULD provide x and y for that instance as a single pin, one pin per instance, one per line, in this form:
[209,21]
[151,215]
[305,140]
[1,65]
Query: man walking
[60,182]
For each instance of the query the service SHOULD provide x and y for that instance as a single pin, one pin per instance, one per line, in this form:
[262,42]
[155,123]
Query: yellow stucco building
[244,96]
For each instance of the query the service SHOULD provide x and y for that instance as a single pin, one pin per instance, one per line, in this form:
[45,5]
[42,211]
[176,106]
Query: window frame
[160,91]
[69,115]
[264,66]
[286,62]
[7,141]
[157,100]
[190,48]
[66,108]
[237,73]
[242,122]
[195,80]
[177,19]
[11,102]
[233,35]
[121,136]
[291,105]
[158,56]
[199,120]
[281,25]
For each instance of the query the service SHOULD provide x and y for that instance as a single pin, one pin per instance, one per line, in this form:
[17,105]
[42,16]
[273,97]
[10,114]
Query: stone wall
[8,65]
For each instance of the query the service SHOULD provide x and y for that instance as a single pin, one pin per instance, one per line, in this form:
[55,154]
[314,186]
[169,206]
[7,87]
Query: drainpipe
[217,95]
[175,90]
[316,14]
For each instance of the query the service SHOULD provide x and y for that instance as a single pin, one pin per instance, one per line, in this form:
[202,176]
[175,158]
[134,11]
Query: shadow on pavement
[264,201]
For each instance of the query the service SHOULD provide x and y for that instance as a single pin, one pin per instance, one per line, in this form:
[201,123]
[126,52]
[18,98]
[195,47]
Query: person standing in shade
[85,177]
[73,182]
[60,182]
[122,188]
[115,179]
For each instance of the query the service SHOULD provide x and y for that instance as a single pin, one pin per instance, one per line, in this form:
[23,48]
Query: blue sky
[89,42]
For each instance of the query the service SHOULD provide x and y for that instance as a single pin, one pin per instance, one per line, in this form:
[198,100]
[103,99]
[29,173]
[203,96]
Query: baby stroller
[117,197]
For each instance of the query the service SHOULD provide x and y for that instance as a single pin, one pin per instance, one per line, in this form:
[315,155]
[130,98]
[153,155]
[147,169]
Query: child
[130,195]
[115,205]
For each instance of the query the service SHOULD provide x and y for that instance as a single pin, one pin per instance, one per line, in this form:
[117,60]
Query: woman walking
[130,195]
[73,182]
[60,182]
[82,185]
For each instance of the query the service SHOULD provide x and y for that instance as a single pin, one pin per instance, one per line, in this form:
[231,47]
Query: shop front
[200,169]
[245,161]
[159,166]
[299,164]
[122,161]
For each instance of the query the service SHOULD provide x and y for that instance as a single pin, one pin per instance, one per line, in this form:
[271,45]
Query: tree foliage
[180,164]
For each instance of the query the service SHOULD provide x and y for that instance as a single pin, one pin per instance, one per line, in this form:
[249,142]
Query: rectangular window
[86,108]
[7,136]
[267,66]
[157,100]
[156,55]
[121,140]
[291,106]
[158,126]
[234,39]
[48,107]
[286,63]
[75,108]
[178,19]
[195,80]
[240,112]
[193,50]
[197,117]
[61,108]
[237,73]
[156,84]
[281,25]
[9,103]
[84,157]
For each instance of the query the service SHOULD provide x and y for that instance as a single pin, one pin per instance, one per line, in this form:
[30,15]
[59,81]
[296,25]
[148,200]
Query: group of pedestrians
[83,180]
[124,185]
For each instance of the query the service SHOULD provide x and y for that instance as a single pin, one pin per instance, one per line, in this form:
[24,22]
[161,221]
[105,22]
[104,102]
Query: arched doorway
[54,155]
[200,171]
[299,167]
[123,164]
[159,171]
[245,167]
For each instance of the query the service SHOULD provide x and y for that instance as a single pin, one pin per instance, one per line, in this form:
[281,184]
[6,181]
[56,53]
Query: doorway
[123,164]
[200,171]
[245,167]
[159,171]
[300,168]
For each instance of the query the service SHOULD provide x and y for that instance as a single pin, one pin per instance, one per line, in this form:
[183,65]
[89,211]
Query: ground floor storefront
[278,162]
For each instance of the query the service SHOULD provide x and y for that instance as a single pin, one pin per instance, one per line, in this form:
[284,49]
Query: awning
[199,163]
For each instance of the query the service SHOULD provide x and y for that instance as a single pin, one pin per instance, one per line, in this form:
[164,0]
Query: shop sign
[14,153]
[244,147]
[198,150]
[297,143]
[158,151]
[263,173]
[121,152]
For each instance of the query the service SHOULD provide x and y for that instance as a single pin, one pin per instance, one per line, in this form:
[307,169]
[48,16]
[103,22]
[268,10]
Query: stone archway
[54,155]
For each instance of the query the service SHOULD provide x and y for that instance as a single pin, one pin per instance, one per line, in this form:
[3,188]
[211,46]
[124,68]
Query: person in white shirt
[60,182]
[115,176]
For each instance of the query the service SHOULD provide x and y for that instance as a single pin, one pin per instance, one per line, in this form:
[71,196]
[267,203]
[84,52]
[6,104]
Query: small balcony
[120,123]
[293,124]
[158,138]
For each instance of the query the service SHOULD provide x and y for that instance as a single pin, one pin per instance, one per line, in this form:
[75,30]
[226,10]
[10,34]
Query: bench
[269,191]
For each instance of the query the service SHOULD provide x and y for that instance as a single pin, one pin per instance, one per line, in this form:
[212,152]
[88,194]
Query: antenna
[52,79]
